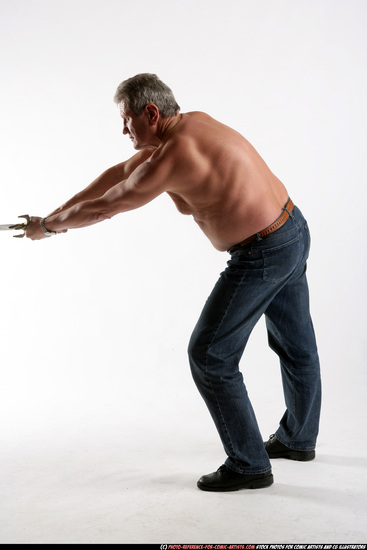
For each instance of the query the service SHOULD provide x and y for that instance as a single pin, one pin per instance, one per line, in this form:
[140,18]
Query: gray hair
[144,88]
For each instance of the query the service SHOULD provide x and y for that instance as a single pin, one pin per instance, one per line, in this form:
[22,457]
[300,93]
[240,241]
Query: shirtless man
[214,174]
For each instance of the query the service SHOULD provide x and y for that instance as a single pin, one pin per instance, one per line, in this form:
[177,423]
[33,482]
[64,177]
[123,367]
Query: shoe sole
[301,456]
[259,483]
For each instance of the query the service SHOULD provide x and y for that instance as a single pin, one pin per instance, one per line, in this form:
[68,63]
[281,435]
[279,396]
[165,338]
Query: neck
[170,123]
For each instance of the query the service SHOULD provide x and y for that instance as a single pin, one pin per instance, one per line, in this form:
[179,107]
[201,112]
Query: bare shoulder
[205,133]
[183,157]
[187,134]
[197,142]
[125,169]
[188,154]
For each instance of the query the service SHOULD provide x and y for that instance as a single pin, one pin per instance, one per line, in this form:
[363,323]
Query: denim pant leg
[215,349]
[255,275]
[291,335]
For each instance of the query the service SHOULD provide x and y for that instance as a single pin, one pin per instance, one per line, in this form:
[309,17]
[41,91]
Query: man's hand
[34,230]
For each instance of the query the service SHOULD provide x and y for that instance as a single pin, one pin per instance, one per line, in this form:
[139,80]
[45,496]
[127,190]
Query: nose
[125,130]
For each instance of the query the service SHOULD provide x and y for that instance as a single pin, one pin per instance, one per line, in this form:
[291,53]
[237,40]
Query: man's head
[140,90]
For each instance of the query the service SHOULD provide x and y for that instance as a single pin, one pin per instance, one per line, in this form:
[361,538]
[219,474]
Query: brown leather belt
[270,229]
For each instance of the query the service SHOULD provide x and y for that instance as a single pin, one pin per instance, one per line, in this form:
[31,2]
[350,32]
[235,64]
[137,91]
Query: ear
[152,113]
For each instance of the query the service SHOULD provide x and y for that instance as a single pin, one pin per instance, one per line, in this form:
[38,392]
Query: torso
[220,179]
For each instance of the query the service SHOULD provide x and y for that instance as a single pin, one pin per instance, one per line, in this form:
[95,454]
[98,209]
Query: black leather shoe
[225,479]
[276,449]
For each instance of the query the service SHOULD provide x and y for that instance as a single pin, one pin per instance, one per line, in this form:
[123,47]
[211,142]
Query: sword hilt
[21,226]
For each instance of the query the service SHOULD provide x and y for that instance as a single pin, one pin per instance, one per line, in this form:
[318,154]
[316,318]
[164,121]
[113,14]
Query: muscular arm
[74,213]
[105,181]
[147,181]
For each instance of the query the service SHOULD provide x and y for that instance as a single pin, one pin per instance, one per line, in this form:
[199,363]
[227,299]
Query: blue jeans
[267,276]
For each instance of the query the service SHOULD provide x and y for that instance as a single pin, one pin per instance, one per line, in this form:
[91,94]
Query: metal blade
[6,227]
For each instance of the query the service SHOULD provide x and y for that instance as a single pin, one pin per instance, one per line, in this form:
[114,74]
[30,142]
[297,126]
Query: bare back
[221,180]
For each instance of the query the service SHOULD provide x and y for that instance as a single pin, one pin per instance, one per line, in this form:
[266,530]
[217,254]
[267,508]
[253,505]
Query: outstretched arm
[147,181]
[97,189]
[105,181]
